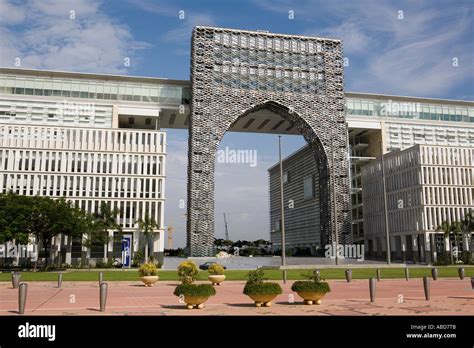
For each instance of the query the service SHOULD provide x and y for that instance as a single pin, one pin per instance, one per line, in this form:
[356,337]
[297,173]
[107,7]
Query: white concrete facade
[426,185]
[86,150]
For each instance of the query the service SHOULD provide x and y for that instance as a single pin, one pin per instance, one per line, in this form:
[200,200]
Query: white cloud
[46,37]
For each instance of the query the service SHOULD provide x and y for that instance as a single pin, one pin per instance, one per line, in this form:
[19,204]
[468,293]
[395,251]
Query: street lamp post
[385,210]
[282,212]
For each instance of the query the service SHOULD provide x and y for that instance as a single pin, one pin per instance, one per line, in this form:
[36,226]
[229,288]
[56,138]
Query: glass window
[308,187]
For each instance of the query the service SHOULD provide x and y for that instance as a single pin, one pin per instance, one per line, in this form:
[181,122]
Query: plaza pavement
[394,297]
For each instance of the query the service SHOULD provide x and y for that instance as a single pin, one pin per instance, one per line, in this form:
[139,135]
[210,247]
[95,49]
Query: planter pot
[149,280]
[260,300]
[310,298]
[195,301]
[216,279]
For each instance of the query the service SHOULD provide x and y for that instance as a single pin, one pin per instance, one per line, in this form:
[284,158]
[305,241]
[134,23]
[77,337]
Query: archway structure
[235,73]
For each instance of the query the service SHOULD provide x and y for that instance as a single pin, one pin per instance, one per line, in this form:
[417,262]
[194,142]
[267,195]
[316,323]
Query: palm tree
[106,220]
[445,227]
[456,230]
[147,225]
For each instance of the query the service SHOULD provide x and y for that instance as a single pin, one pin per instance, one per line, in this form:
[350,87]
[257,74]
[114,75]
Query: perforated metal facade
[235,73]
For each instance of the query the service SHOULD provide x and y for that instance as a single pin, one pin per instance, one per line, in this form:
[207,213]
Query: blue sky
[393,47]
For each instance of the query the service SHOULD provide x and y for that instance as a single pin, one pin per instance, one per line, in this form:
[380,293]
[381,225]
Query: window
[277,225]
[308,187]
[285,177]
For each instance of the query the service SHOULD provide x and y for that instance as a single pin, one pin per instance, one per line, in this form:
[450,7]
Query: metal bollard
[426,286]
[372,285]
[407,273]
[434,273]
[103,296]
[16,279]
[348,273]
[472,283]
[60,280]
[23,287]
[377,272]
[461,273]
[101,277]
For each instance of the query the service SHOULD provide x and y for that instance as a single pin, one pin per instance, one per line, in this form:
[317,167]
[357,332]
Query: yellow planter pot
[149,280]
[311,297]
[260,300]
[216,279]
[197,301]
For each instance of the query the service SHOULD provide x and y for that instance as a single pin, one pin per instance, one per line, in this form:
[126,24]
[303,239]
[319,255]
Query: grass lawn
[361,273]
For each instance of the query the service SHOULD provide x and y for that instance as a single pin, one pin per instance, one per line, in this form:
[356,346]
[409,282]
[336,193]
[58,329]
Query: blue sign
[126,250]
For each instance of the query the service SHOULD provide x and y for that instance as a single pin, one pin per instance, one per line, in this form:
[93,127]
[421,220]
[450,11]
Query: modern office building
[376,123]
[92,139]
[52,124]
[426,185]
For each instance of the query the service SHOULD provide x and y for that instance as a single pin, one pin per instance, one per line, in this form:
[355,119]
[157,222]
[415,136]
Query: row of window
[80,162]
[449,196]
[82,139]
[94,89]
[447,156]
[129,211]
[82,186]
[447,175]
[435,216]
[409,110]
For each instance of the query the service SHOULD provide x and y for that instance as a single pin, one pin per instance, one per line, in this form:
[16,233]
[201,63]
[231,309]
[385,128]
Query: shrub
[137,258]
[256,286]
[262,289]
[216,269]
[255,277]
[195,290]
[187,272]
[148,269]
[310,286]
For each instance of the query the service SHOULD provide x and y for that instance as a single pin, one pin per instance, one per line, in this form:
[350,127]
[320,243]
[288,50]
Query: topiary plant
[193,290]
[148,269]
[256,286]
[314,284]
[187,272]
[216,269]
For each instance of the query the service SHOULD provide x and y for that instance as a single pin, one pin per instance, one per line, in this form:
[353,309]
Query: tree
[13,212]
[47,218]
[104,221]
[456,229]
[147,225]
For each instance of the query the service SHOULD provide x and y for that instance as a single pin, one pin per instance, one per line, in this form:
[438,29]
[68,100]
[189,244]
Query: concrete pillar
[434,252]
[110,253]
[427,248]
[158,246]
[415,248]
[404,248]
[85,251]
[465,241]
[68,242]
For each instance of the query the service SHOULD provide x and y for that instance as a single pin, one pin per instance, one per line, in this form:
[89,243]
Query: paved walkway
[394,297]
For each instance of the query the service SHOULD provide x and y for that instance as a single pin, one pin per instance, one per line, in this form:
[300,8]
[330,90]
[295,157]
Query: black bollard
[472,283]
[461,273]
[103,296]
[348,273]
[23,287]
[16,279]
[426,286]
[407,273]
[372,285]
[377,272]
[60,280]
[101,277]
[434,273]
